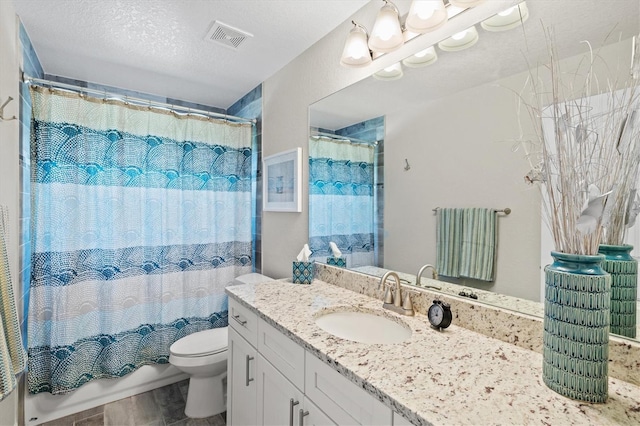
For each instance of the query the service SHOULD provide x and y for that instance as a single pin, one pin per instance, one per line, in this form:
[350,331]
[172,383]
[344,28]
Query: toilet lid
[201,343]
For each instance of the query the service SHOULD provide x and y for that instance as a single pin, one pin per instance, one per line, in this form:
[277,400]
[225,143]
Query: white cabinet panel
[286,355]
[312,416]
[244,321]
[241,383]
[279,401]
[398,420]
[340,399]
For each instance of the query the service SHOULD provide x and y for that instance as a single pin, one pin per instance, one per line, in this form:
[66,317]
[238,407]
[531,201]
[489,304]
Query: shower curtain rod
[341,138]
[143,102]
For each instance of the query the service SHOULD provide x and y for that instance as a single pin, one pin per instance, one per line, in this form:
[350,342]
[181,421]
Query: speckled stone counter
[518,323]
[452,377]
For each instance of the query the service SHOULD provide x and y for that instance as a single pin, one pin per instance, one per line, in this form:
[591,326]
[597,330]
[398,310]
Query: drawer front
[343,401]
[286,355]
[244,321]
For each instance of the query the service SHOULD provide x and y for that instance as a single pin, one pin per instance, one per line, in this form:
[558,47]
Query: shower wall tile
[32,67]
[30,61]
[247,105]
[369,130]
[250,106]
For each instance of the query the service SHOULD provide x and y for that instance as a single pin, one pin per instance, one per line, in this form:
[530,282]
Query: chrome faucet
[434,276]
[393,297]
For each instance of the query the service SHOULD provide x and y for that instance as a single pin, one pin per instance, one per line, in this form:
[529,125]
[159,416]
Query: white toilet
[203,355]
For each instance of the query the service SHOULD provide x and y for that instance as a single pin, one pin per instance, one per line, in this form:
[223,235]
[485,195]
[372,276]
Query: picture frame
[282,181]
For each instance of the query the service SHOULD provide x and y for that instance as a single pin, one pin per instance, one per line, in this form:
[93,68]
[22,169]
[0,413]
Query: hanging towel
[12,355]
[478,243]
[448,241]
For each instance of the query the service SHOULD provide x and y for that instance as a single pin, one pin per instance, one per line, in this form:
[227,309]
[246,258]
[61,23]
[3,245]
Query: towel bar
[506,210]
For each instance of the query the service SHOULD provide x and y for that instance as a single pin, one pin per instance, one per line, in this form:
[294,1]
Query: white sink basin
[363,327]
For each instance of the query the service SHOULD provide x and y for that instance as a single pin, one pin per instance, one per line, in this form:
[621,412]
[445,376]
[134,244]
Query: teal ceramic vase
[624,287]
[576,327]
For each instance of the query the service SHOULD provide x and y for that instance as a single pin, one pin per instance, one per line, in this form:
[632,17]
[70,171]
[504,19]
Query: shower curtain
[341,203]
[141,217]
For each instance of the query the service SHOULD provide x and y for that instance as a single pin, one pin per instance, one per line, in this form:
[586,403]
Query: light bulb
[424,9]
[460,35]
[508,11]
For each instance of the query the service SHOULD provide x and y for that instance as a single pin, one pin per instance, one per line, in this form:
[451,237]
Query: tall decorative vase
[576,327]
[624,287]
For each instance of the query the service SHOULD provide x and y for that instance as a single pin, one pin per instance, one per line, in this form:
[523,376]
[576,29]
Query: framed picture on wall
[281,186]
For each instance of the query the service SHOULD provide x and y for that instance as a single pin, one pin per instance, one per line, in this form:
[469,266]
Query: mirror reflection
[449,139]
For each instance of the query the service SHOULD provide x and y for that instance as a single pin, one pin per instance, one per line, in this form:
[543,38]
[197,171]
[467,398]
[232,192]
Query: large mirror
[446,135]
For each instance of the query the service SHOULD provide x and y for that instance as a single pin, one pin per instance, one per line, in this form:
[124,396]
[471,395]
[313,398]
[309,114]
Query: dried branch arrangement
[586,153]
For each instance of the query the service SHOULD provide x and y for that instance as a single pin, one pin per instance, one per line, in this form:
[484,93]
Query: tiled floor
[159,407]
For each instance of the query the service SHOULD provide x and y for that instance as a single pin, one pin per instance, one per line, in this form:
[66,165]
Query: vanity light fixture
[392,72]
[460,41]
[356,51]
[386,35]
[507,19]
[426,15]
[466,3]
[421,59]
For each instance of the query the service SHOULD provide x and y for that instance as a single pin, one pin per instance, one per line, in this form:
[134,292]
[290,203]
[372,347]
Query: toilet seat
[201,343]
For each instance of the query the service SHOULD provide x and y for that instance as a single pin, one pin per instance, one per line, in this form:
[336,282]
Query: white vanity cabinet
[274,381]
[281,403]
[241,383]
[241,366]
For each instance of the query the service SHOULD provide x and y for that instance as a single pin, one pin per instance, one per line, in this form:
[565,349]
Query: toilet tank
[252,278]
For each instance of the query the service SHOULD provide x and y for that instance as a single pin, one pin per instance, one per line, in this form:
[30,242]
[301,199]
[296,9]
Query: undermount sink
[363,327]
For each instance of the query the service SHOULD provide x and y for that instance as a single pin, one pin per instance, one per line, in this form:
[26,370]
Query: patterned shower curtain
[341,204]
[141,217]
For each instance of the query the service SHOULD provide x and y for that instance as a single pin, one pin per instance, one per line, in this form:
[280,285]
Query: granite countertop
[455,376]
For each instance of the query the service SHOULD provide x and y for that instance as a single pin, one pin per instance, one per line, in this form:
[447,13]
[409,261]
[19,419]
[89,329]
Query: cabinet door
[279,401]
[241,383]
[312,416]
[398,420]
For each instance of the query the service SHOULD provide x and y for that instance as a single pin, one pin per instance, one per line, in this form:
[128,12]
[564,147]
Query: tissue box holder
[340,262]
[302,272]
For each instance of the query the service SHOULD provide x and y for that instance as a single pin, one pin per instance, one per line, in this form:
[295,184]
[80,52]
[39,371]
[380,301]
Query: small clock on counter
[439,315]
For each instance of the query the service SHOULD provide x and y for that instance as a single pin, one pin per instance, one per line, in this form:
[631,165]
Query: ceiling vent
[227,35]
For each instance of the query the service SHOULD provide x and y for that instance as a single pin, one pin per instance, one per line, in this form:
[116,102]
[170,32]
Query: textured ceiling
[158,46]
[496,55]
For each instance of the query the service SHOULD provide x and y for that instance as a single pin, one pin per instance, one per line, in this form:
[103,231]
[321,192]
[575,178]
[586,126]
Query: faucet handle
[407,304]
[388,294]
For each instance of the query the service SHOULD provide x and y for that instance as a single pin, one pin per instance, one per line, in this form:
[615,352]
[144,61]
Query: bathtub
[44,407]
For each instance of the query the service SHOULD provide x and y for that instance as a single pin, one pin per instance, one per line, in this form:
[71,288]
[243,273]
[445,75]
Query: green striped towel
[448,242]
[478,244]
[12,355]
[466,243]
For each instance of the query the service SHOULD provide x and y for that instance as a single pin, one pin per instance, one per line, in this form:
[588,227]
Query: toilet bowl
[203,356]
